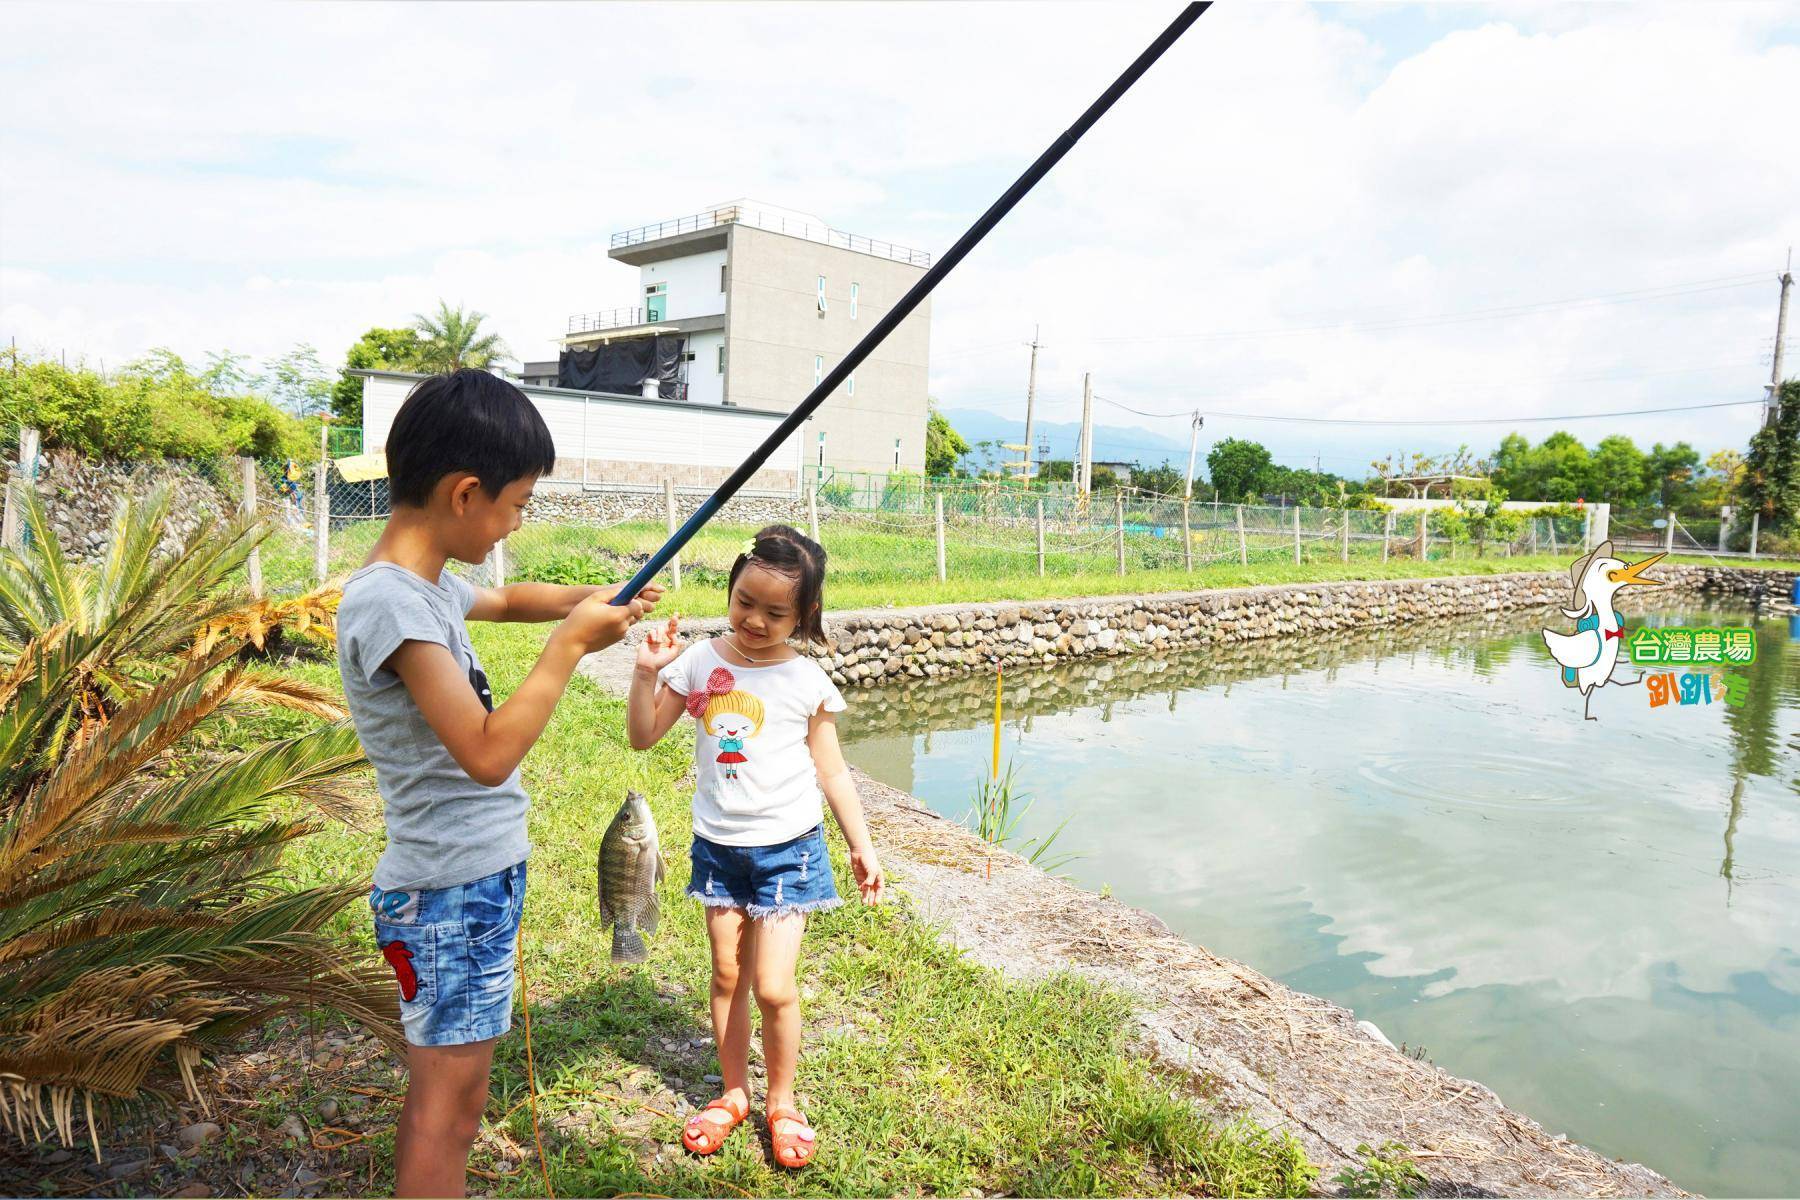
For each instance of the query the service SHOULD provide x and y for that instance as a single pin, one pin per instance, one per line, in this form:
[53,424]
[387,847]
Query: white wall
[705,384]
[693,284]
[624,430]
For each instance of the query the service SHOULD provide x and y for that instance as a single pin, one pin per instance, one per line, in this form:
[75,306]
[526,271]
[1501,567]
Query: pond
[1599,920]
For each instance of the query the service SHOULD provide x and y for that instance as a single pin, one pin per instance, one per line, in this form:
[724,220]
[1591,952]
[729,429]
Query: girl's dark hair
[786,550]
[469,421]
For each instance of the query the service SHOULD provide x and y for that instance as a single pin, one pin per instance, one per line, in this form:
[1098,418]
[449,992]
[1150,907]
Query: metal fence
[893,530]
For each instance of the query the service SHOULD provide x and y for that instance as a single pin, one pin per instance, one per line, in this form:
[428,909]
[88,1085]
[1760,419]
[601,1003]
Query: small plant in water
[1389,1171]
[999,807]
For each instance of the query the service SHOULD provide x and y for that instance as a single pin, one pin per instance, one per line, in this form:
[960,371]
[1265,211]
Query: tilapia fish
[630,867]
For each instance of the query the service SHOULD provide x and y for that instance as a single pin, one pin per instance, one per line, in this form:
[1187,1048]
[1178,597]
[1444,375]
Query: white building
[606,440]
[747,305]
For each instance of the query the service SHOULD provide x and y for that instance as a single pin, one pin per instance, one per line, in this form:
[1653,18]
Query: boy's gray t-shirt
[443,828]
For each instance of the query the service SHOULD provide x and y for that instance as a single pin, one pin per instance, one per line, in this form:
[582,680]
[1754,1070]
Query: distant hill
[1122,443]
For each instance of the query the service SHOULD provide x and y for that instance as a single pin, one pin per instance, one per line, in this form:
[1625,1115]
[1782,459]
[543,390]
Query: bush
[154,408]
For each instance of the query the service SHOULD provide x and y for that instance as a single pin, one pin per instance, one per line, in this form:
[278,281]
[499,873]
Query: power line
[1501,312]
[1186,412]
[1635,412]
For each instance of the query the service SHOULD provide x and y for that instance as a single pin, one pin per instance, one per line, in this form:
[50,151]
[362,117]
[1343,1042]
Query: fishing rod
[914,296]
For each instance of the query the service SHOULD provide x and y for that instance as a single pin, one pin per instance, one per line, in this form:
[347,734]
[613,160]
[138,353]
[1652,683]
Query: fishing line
[530,1067]
[913,298]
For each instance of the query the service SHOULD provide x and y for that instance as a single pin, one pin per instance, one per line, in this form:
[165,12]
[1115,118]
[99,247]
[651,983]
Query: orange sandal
[791,1149]
[705,1136]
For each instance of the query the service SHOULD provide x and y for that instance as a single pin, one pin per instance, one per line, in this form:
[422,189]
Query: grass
[924,1074]
[895,563]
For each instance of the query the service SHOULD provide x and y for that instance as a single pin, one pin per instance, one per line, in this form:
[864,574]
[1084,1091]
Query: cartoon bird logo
[1589,655]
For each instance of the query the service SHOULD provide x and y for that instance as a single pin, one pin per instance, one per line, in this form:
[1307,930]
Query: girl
[765,748]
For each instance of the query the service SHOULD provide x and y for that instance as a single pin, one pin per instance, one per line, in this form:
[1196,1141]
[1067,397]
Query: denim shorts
[764,881]
[452,954]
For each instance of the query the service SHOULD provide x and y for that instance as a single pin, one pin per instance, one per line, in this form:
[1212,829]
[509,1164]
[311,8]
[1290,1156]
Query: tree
[1669,474]
[1618,471]
[1056,470]
[225,374]
[944,447]
[377,350]
[1771,484]
[451,339]
[298,382]
[1719,485]
[1237,467]
[1165,480]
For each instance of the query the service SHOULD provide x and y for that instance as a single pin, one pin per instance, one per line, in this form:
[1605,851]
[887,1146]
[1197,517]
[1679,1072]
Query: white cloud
[251,177]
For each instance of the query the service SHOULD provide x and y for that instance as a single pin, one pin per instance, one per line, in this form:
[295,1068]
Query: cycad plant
[141,917]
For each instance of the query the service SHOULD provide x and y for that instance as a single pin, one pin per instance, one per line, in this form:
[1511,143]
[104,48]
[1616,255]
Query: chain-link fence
[882,532]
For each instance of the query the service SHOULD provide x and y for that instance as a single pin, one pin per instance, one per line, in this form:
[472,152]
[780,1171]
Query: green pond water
[1599,920]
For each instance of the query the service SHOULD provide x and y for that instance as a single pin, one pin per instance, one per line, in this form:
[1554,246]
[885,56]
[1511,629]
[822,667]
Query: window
[853,302]
[852,384]
[821,293]
[896,454]
[721,277]
[656,301]
[818,369]
[721,358]
[821,449]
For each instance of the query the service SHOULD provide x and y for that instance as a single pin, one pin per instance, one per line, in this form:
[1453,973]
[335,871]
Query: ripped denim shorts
[764,881]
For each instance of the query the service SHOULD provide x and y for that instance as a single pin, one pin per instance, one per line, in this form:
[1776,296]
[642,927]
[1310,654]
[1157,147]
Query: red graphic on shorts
[400,958]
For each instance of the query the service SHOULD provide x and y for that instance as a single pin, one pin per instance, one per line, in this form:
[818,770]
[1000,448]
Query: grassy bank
[922,1073]
[892,564]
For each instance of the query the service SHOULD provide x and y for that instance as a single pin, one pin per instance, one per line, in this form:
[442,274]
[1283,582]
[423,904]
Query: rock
[172,1153]
[328,1111]
[120,1170]
[58,1156]
[292,1126]
[713,1078]
[197,1134]
[193,1191]
[306,1177]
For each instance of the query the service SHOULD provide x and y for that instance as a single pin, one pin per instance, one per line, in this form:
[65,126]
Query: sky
[1331,211]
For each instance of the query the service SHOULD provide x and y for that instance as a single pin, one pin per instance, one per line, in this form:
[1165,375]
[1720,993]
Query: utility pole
[1193,447]
[1086,478]
[1030,396]
[1773,406]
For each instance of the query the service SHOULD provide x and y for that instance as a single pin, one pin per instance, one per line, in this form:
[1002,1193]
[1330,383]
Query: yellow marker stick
[999,676]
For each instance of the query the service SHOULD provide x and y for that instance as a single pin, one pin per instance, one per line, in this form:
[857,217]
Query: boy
[463,455]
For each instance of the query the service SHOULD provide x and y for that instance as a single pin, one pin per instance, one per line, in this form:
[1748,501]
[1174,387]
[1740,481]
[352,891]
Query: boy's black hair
[469,421]
[785,549]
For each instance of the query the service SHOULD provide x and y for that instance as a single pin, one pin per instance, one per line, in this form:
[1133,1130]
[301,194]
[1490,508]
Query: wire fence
[884,530]
[904,531]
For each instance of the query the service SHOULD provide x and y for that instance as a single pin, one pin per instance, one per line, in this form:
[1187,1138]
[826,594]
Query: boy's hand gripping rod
[908,302]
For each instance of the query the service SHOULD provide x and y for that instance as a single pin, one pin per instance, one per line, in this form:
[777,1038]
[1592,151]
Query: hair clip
[748,550]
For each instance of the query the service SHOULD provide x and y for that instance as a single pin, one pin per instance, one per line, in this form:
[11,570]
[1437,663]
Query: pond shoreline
[1252,1046]
[874,645]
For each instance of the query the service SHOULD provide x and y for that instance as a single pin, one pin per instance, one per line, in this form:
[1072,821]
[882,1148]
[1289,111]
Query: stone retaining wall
[873,645]
[555,506]
[80,496]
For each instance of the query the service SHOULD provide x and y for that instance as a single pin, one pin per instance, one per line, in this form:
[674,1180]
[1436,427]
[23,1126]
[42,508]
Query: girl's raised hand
[869,879]
[660,647]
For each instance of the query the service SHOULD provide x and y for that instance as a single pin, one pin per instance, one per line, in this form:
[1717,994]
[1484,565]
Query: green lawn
[892,561]
[924,1074]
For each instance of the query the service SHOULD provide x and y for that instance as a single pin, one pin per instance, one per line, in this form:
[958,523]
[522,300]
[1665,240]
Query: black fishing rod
[910,301]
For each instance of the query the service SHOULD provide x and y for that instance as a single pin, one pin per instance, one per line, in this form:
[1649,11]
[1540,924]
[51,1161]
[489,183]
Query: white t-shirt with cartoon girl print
[756,785]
